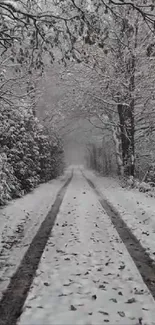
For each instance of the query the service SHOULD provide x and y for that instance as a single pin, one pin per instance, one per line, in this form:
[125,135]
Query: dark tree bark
[127,128]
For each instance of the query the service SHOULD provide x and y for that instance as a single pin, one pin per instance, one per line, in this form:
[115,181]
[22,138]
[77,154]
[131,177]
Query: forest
[77,162]
[76,69]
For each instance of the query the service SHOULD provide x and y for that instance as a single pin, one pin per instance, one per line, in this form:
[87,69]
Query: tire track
[139,255]
[14,297]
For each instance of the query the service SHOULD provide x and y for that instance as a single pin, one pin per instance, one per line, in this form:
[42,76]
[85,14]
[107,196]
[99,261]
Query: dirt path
[141,258]
[86,275]
[83,272]
[15,295]
[137,209]
[19,222]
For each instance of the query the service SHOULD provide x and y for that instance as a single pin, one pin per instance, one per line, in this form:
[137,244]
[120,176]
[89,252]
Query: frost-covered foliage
[100,156]
[29,154]
[9,184]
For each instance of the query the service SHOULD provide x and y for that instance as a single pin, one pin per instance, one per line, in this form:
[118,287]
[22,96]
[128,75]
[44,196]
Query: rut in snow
[16,293]
[141,258]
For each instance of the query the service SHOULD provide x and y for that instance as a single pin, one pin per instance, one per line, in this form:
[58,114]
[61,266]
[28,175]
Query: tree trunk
[32,95]
[127,130]
[116,132]
[131,113]
[126,112]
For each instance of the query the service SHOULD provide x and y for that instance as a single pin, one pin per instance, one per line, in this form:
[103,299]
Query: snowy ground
[136,209]
[86,276]
[19,222]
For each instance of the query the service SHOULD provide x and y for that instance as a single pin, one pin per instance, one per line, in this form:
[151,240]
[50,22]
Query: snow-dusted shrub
[100,156]
[136,184]
[150,176]
[144,187]
[9,185]
[130,181]
[50,153]
[29,154]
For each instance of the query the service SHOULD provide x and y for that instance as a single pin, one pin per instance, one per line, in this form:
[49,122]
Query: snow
[136,209]
[86,276]
[19,222]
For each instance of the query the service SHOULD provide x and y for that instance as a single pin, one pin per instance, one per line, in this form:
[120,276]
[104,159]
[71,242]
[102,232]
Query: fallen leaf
[103,312]
[46,284]
[139,292]
[60,251]
[67,284]
[121,313]
[131,301]
[102,286]
[72,307]
[62,295]
[114,300]
[145,233]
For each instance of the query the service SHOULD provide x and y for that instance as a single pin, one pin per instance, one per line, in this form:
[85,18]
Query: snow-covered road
[136,209]
[86,275]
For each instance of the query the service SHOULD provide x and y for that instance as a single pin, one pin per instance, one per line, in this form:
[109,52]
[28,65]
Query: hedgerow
[29,153]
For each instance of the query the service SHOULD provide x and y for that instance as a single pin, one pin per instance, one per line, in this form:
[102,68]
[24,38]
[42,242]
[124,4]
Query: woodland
[82,69]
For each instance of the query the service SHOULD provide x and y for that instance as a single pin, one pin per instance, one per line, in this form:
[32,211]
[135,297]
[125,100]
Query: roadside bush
[9,185]
[29,155]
